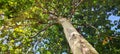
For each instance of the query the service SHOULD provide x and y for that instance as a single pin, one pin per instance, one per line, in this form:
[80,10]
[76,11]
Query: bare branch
[75,4]
[42,30]
[45,10]
[92,26]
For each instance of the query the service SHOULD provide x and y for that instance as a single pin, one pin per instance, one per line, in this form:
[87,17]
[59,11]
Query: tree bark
[77,43]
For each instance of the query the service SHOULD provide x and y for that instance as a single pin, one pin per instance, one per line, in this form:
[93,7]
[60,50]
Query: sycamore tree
[59,27]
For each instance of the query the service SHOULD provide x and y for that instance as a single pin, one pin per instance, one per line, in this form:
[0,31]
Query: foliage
[22,20]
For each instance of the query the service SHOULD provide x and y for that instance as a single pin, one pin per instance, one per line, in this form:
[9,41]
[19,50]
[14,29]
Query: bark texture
[76,41]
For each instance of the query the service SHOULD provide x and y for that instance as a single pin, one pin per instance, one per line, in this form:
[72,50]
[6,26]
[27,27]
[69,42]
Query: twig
[45,10]
[75,4]
[92,26]
[88,25]
[28,50]
[37,41]
[42,30]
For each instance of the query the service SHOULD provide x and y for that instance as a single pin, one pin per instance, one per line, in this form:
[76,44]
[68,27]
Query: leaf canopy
[21,20]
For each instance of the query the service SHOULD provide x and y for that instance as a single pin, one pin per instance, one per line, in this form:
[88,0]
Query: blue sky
[114,18]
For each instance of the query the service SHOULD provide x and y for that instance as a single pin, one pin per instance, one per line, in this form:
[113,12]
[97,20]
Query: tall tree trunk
[76,41]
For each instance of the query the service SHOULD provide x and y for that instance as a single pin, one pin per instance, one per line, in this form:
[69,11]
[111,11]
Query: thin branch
[37,40]
[88,25]
[42,30]
[45,10]
[28,50]
[92,26]
[75,4]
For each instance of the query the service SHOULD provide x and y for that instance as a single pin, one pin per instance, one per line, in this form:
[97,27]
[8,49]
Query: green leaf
[48,52]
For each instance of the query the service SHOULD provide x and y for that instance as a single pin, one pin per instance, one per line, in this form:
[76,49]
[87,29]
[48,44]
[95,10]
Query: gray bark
[77,43]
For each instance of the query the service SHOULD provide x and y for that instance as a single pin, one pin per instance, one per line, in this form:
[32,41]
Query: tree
[76,41]
[34,26]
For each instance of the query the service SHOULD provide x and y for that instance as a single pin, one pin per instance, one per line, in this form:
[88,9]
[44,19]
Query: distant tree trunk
[76,41]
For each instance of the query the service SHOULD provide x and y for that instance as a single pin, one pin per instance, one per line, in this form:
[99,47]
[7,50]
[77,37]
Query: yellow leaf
[12,41]
[17,51]
[4,48]
[19,30]
[48,52]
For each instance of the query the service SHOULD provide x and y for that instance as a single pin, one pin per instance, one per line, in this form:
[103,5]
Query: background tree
[26,26]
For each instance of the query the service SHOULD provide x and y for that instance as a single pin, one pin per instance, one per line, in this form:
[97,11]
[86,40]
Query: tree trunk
[76,41]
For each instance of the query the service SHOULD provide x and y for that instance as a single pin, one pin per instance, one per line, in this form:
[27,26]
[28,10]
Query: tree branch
[42,30]
[75,4]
